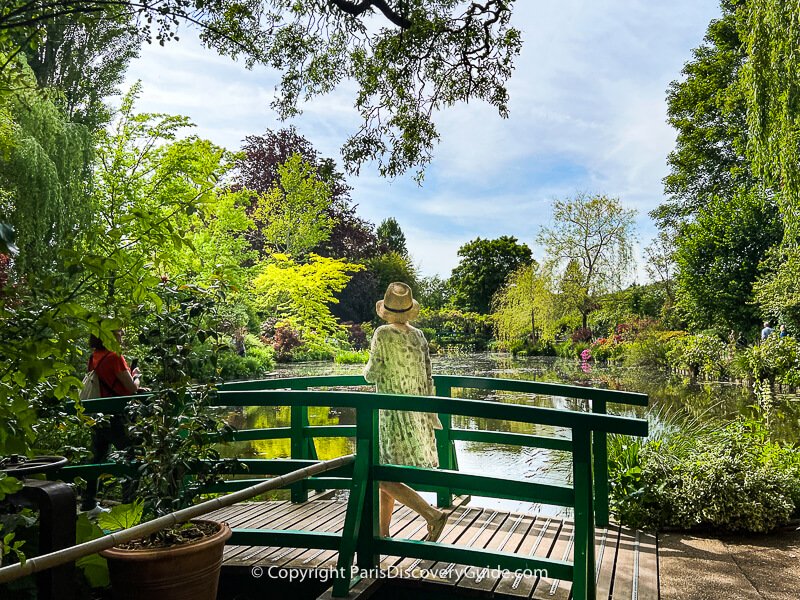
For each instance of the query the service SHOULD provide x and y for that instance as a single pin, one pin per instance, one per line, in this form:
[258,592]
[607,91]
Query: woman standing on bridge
[399,363]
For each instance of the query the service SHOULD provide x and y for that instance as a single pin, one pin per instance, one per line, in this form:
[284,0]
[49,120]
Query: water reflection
[669,395]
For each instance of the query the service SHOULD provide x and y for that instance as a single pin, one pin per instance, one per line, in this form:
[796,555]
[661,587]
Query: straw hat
[398,304]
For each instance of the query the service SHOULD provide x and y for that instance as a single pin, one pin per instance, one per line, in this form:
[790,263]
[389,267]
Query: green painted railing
[302,435]
[587,496]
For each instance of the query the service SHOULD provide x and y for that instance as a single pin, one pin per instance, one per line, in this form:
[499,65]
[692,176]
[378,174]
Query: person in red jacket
[116,378]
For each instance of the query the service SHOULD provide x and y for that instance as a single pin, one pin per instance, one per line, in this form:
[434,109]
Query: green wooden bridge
[497,553]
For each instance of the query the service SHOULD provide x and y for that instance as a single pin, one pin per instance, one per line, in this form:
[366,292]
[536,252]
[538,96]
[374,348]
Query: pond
[672,400]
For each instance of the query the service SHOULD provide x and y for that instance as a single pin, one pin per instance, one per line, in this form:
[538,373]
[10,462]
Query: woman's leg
[407,496]
[387,508]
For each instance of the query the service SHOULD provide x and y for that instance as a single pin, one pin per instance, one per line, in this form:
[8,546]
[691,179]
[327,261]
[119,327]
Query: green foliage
[718,257]
[483,269]
[454,328]
[45,172]
[433,292]
[776,359]
[391,237]
[708,110]
[351,357]
[777,291]
[591,244]
[227,364]
[295,210]
[161,209]
[174,431]
[730,479]
[526,306]
[83,60]
[629,305]
[93,567]
[771,83]
[406,62]
[299,294]
[699,354]
[121,516]
[651,349]
[388,268]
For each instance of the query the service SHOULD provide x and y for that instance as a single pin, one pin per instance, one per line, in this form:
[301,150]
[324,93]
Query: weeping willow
[45,174]
[525,307]
[771,78]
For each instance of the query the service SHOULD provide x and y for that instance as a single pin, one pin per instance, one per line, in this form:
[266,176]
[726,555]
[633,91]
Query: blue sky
[588,113]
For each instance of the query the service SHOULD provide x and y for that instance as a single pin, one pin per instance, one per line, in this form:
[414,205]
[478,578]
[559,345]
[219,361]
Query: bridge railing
[360,537]
[302,434]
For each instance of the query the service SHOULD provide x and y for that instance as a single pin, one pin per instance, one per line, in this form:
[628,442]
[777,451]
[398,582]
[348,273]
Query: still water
[672,400]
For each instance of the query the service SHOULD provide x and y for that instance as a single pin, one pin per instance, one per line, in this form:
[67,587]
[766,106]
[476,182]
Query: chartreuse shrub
[351,357]
[731,479]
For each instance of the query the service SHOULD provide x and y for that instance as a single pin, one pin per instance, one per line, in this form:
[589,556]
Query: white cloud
[588,112]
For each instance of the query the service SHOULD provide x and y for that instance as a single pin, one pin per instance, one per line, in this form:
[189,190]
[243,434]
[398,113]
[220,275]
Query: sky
[587,114]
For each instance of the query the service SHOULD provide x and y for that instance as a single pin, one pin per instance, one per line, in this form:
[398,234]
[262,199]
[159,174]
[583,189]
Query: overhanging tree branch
[355,10]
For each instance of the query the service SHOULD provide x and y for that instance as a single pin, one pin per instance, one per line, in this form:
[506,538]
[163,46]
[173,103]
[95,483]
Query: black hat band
[398,310]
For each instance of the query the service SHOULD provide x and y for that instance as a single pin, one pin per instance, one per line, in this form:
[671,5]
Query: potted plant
[172,436]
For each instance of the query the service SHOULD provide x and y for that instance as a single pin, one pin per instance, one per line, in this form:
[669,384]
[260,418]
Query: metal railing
[588,495]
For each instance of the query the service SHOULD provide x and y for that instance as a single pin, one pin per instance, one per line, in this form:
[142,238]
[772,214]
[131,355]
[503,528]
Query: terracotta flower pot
[188,572]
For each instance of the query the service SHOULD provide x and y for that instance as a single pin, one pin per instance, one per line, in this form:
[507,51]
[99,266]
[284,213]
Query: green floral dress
[399,363]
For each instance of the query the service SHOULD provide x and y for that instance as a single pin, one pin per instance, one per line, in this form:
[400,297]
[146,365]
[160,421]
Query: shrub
[356,336]
[732,479]
[581,334]
[284,341]
[700,354]
[775,359]
[348,357]
[607,349]
[649,350]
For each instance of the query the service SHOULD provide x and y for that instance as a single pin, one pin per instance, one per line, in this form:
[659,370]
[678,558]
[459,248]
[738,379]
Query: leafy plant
[354,357]
[173,431]
[730,479]
[699,354]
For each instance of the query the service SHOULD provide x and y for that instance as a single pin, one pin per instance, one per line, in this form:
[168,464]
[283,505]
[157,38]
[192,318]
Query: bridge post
[445,446]
[600,448]
[583,585]
[369,527]
[353,520]
[299,448]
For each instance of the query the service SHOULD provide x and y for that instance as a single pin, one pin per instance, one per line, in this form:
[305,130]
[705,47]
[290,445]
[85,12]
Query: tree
[719,258]
[771,80]
[391,237]
[526,306]
[390,267]
[483,269]
[708,110]
[594,235]
[257,170]
[294,211]
[45,175]
[300,294]
[434,292]
[660,265]
[84,60]
[161,209]
[427,55]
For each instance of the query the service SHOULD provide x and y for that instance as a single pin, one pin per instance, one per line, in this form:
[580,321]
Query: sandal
[435,530]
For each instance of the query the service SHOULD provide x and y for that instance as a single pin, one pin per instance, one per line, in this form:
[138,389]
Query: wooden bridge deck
[627,566]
